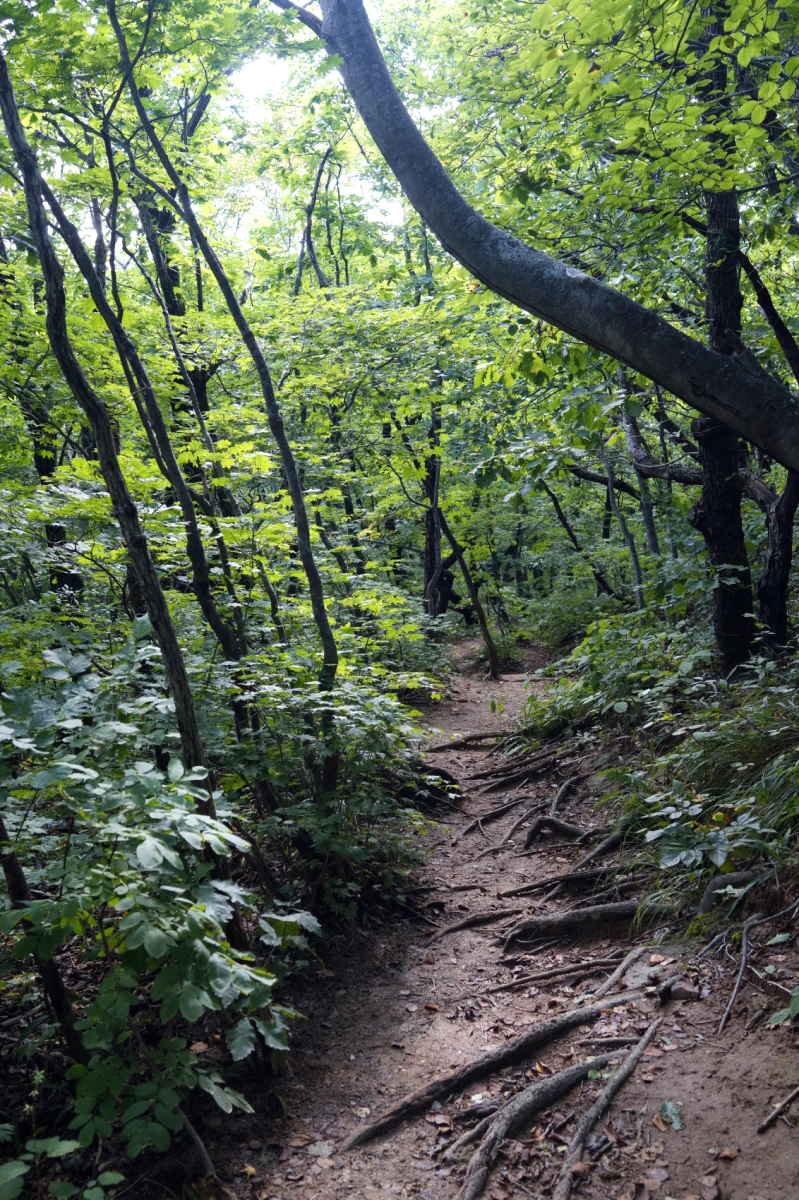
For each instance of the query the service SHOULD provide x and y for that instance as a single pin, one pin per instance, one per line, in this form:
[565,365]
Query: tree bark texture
[717,516]
[731,388]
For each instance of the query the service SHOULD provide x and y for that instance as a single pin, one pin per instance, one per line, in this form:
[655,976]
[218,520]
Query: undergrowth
[705,769]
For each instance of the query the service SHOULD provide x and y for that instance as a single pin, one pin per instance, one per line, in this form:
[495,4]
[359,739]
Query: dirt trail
[394,1008]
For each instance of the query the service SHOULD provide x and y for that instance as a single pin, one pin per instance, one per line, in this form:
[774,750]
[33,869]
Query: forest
[356,365]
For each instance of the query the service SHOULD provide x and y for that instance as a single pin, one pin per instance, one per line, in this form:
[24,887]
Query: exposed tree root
[516,765]
[557,923]
[496,814]
[631,958]
[610,843]
[512,1116]
[515,1050]
[503,841]
[571,877]
[757,919]
[563,791]
[734,879]
[582,968]
[520,777]
[463,743]
[555,825]
[481,918]
[597,1111]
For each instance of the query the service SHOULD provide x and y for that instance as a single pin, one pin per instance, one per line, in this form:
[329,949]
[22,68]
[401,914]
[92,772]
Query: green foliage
[393,368]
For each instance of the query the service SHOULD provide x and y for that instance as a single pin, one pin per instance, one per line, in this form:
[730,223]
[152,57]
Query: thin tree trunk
[493,657]
[201,579]
[274,416]
[97,413]
[626,534]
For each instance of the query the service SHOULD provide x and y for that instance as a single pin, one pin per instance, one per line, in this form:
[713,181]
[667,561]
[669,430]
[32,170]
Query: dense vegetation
[267,446]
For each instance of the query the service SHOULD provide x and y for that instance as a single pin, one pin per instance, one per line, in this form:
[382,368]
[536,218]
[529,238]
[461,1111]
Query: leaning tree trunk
[751,402]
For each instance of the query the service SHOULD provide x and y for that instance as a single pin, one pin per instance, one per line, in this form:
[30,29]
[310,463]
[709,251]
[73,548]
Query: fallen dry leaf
[300,1139]
[658,1121]
[656,959]
[431,1007]
[727,1152]
[198,1047]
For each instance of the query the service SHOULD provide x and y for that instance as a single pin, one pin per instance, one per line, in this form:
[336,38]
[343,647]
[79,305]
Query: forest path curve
[397,1006]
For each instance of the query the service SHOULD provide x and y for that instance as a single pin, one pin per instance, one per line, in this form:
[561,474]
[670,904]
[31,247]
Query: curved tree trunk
[734,390]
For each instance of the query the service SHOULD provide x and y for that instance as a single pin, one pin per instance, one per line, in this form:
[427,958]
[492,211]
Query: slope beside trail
[395,1006]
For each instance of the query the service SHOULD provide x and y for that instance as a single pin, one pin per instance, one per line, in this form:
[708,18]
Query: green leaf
[142,627]
[62,1189]
[175,770]
[240,1039]
[779,939]
[11,1176]
[156,943]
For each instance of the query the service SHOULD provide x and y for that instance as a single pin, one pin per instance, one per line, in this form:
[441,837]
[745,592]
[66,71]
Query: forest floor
[395,1007]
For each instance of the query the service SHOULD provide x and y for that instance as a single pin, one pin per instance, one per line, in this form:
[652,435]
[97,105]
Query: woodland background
[266,447]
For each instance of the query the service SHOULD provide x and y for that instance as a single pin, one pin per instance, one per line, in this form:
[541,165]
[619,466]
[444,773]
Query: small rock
[684,991]
[254,1144]
[320,1150]
[429,958]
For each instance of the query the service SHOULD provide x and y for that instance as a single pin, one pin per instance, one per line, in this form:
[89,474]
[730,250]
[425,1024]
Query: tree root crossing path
[518,1030]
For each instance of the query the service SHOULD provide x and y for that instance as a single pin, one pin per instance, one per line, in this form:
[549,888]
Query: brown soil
[392,1009]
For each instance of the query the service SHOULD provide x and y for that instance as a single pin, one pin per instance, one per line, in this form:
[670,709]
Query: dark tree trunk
[717,516]
[20,896]
[772,591]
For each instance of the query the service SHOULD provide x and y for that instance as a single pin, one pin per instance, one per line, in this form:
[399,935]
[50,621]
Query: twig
[511,1116]
[516,1050]
[757,919]
[778,1111]
[481,918]
[720,937]
[598,1110]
